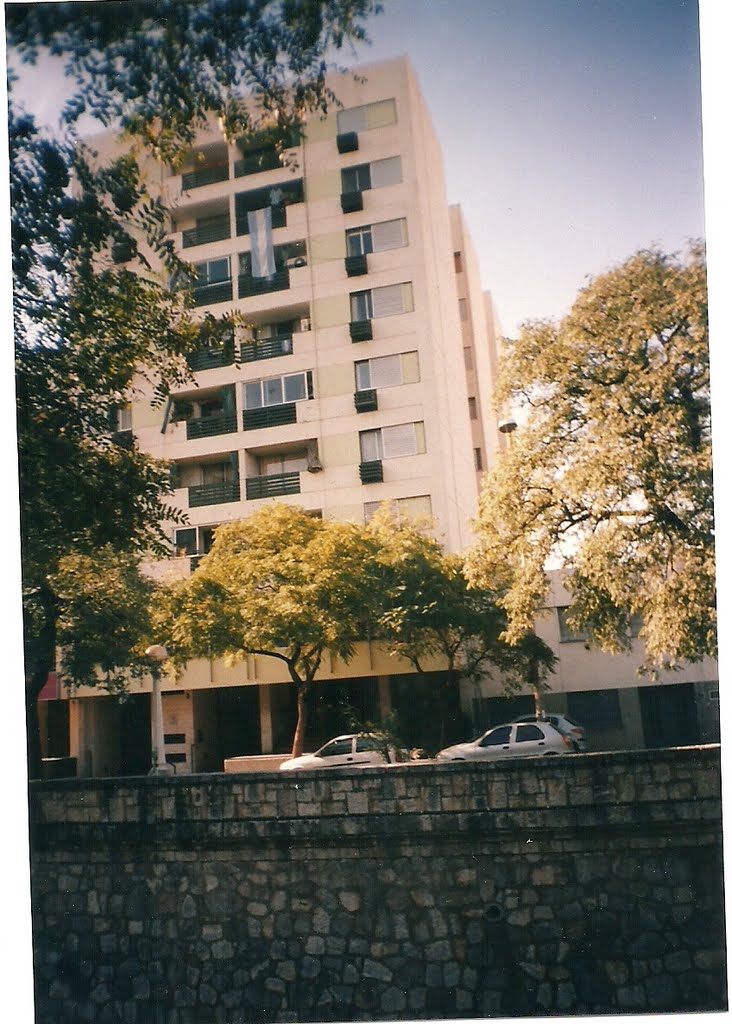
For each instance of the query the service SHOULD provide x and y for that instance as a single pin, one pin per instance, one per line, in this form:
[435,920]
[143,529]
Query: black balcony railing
[124,438]
[208,294]
[213,494]
[360,330]
[270,416]
[249,285]
[279,220]
[273,486]
[366,401]
[208,233]
[357,265]
[371,472]
[211,358]
[204,176]
[210,426]
[254,163]
[351,202]
[267,348]
[347,142]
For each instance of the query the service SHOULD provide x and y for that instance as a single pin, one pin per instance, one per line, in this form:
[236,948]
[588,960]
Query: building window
[364,118]
[377,174]
[473,408]
[194,540]
[290,387]
[567,635]
[377,302]
[458,260]
[463,304]
[595,708]
[392,442]
[408,508]
[478,456]
[212,271]
[390,234]
[468,357]
[383,371]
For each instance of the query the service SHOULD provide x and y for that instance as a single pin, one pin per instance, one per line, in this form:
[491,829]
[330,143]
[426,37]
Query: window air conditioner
[305,323]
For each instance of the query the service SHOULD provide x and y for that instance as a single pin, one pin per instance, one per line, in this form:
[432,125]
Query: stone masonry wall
[570,885]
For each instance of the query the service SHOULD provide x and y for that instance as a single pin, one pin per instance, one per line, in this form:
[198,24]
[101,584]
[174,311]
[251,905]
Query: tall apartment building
[365,376]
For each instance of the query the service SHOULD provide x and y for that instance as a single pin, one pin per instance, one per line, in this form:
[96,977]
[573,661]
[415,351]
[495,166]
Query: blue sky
[571,131]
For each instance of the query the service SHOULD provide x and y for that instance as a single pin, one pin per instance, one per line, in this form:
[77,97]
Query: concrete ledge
[254,763]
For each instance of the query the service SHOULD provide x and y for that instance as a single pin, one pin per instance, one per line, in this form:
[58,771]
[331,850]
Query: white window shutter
[399,441]
[352,120]
[388,301]
[386,371]
[415,507]
[390,234]
[386,172]
[380,114]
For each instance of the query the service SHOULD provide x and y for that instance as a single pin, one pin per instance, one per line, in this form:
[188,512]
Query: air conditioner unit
[314,463]
[305,323]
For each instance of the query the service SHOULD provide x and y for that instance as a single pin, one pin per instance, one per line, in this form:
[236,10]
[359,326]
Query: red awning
[51,689]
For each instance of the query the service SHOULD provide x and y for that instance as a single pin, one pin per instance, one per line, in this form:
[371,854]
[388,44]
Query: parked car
[515,739]
[562,723]
[352,750]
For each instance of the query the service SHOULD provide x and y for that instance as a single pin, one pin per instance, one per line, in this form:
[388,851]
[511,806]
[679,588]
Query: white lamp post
[157,655]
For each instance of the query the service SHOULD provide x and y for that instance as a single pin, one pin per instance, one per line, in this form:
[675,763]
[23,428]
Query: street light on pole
[157,655]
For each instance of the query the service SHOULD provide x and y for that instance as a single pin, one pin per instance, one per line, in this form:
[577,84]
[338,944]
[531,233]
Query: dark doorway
[133,722]
[668,714]
[237,722]
[428,711]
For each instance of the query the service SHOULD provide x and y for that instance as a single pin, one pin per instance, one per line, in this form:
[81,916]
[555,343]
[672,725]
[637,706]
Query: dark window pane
[496,737]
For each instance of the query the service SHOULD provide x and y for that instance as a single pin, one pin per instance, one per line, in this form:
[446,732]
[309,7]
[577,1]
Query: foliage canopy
[611,474]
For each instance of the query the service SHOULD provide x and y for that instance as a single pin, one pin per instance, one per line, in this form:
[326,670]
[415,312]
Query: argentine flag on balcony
[260,232]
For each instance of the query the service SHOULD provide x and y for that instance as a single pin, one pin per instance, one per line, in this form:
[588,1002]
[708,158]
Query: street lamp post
[157,655]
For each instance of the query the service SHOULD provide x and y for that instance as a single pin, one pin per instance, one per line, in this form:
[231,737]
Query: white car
[353,750]
[517,739]
[562,723]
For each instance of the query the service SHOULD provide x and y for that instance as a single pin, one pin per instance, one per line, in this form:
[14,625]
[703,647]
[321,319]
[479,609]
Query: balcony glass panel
[213,494]
[273,486]
[270,416]
[210,426]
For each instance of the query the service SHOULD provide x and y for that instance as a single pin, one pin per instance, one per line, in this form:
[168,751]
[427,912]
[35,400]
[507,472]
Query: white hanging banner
[260,233]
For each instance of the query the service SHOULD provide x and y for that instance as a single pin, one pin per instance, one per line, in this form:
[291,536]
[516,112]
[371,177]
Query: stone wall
[572,885]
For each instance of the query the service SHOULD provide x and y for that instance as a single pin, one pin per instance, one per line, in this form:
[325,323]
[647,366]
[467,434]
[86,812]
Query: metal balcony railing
[213,494]
[371,472]
[270,416]
[360,330]
[273,486]
[210,426]
[211,358]
[279,220]
[254,163]
[249,285]
[366,401]
[351,202]
[357,265]
[204,176]
[267,348]
[208,294]
[347,142]
[209,233]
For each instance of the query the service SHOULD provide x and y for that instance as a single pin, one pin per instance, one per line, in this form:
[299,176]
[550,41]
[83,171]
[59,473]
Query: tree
[281,584]
[431,611]
[611,474]
[93,305]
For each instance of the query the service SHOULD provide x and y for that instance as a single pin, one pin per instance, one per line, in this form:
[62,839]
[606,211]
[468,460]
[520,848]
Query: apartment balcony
[204,176]
[274,486]
[210,294]
[210,426]
[210,358]
[278,282]
[267,348]
[371,472]
[213,494]
[255,163]
[279,220]
[270,416]
[203,235]
[360,330]
[366,401]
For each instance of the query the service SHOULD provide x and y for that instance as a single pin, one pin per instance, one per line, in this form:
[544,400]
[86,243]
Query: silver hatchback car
[562,723]
[516,739]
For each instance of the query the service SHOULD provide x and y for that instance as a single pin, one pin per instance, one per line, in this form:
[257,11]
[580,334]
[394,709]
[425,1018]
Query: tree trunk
[302,715]
[40,660]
